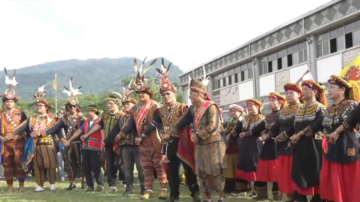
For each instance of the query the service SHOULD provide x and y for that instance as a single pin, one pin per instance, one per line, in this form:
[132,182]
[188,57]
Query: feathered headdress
[140,75]
[165,82]
[39,97]
[72,93]
[126,94]
[200,85]
[10,92]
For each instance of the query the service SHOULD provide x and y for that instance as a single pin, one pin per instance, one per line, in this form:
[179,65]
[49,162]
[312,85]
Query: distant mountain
[96,76]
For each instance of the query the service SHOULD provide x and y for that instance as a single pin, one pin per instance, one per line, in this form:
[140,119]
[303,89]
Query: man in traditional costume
[70,122]
[338,171]
[307,149]
[12,143]
[250,146]
[267,164]
[39,145]
[282,130]
[107,123]
[210,148]
[150,145]
[232,136]
[91,149]
[125,144]
[178,150]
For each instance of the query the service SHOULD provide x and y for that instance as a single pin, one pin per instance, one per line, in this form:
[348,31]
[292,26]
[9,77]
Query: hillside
[96,76]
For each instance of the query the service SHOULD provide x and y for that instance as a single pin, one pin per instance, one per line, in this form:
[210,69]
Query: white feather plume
[118,94]
[9,81]
[71,91]
[206,80]
[42,88]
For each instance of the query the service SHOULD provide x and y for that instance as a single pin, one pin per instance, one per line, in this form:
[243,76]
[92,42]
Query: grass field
[61,195]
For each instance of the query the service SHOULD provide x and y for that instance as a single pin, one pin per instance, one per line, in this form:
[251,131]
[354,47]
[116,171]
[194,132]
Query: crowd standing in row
[302,151]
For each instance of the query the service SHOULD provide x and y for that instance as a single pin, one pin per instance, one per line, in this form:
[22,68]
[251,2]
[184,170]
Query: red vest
[94,142]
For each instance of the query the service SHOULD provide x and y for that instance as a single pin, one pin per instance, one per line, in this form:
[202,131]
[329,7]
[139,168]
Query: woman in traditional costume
[250,144]
[232,136]
[282,130]
[337,175]
[307,148]
[267,164]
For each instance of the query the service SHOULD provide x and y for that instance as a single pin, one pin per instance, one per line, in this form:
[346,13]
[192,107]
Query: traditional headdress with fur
[140,77]
[126,94]
[200,85]
[10,92]
[321,90]
[352,88]
[72,93]
[165,84]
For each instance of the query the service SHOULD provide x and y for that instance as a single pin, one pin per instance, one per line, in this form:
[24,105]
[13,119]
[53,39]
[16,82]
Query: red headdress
[200,85]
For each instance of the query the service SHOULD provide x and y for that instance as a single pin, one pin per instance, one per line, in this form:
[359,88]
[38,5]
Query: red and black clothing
[337,175]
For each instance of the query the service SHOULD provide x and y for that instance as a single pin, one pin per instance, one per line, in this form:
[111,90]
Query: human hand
[295,138]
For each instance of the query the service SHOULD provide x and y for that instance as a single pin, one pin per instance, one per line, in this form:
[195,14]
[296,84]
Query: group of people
[303,150]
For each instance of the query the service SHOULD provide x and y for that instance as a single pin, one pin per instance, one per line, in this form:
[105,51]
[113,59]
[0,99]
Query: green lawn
[62,195]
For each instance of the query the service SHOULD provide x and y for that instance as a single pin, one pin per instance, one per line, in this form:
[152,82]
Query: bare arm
[75,135]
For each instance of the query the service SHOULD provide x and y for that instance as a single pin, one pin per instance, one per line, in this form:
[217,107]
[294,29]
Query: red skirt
[356,193]
[286,184]
[248,176]
[267,170]
[337,181]
[308,190]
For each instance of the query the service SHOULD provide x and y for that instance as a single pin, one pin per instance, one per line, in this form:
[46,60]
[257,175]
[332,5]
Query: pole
[56,110]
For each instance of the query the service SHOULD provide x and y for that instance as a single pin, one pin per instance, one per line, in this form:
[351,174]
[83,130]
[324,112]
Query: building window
[242,75]
[230,80]
[236,78]
[279,63]
[333,46]
[348,40]
[224,82]
[289,60]
[219,83]
[270,67]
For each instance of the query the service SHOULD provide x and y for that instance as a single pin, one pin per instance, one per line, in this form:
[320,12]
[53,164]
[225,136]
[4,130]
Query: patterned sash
[201,112]
[142,114]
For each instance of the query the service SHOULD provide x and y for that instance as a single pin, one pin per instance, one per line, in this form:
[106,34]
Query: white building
[324,40]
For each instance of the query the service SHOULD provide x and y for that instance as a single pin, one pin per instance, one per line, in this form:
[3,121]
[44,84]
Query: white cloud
[186,32]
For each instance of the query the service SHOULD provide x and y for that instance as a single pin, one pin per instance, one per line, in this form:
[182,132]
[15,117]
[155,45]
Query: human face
[169,97]
[41,108]
[72,109]
[274,104]
[128,106]
[91,114]
[144,97]
[291,96]
[112,106]
[195,97]
[308,93]
[336,92]
[253,109]
[9,104]
[234,113]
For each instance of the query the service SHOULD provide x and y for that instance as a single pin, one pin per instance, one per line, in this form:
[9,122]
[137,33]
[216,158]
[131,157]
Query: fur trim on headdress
[293,87]
[10,92]
[165,84]
[72,93]
[200,85]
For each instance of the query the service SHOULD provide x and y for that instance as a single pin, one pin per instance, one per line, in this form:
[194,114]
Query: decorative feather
[206,80]
[148,67]
[118,94]
[129,86]
[11,82]
[42,88]
[72,91]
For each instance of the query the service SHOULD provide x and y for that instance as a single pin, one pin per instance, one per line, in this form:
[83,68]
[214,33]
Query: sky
[186,32]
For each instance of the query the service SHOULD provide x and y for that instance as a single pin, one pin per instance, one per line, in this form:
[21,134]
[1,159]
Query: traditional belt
[45,140]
